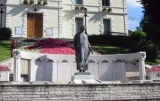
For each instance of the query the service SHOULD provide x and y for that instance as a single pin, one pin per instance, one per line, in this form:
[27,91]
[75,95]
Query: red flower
[154,68]
[53,46]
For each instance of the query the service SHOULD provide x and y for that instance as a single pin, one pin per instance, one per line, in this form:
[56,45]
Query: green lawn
[5,50]
[105,49]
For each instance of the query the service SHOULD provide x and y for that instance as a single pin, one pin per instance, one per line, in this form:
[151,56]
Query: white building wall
[60,15]
[52,21]
[95,17]
[17,16]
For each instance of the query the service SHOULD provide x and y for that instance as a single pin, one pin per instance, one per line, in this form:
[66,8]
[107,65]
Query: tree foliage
[150,22]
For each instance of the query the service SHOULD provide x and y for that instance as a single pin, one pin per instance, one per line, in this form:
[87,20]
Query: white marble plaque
[39,73]
[50,72]
[93,69]
[105,72]
[64,72]
[119,71]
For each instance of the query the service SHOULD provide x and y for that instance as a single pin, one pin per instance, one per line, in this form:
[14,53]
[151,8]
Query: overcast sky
[134,14]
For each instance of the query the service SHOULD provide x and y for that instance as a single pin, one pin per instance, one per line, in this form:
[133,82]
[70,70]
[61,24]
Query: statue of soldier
[82,49]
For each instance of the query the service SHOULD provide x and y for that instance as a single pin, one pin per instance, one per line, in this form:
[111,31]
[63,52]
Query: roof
[4,68]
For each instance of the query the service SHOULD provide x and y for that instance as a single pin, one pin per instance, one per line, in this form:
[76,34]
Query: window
[107,26]
[78,2]
[79,23]
[105,2]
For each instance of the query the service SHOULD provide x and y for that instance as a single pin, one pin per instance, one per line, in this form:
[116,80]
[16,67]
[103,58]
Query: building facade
[62,18]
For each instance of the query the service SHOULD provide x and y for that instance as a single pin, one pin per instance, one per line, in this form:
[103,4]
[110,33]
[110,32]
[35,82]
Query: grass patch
[5,50]
[105,49]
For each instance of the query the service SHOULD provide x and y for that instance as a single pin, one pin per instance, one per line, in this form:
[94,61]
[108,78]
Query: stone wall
[71,92]
[60,67]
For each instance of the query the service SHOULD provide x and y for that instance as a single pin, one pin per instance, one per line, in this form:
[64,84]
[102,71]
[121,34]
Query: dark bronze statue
[82,49]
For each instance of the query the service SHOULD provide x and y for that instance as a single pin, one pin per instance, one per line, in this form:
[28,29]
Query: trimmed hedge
[5,33]
[119,41]
[135,43]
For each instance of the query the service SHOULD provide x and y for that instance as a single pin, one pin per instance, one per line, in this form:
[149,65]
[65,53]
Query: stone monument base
[83,77]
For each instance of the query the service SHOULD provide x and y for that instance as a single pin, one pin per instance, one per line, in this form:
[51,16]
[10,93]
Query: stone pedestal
[80,78]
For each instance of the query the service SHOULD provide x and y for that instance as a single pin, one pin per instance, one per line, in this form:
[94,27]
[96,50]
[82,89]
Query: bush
[31,2]
[151,50]
[25,2]
[139,33]
[39,2]
[119,41]
[45,2]
[5,33]
[135,43]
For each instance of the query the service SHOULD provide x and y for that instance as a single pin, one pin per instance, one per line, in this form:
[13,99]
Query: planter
[110,10]
[45,3]
[104,9]
[31,2]
[77,8]
[25,2]
[39,3]
[81,8]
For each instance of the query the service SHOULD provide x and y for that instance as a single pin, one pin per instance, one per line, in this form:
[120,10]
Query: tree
[150,22]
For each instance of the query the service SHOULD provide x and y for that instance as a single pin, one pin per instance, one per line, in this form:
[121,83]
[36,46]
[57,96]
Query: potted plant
[77,8]
[25,2]
[45,2]
[39,2]
[31,2]
[104,9]
[110,10]
[81,8]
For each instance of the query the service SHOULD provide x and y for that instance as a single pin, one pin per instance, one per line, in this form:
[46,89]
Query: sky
[134,14]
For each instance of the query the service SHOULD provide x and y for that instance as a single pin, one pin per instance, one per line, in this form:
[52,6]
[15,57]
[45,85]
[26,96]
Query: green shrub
[39,2]
[76,8]
[110,10]
[104,9]
[31,2]
[151,50]
[45,2]
[135,43]
[119,41]
[25,2]
[5,33]
[138,33]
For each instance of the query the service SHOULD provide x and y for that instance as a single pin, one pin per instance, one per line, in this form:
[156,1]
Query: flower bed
[153,73]
[4,68]
[50,46]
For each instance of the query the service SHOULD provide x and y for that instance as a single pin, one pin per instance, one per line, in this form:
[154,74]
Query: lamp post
[1,11]
[35,9]
[85,14]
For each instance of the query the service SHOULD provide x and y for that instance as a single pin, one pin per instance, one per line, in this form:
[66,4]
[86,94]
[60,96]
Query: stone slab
[89,82]
[141,81]
[82,73]
[83,77]
[77,79]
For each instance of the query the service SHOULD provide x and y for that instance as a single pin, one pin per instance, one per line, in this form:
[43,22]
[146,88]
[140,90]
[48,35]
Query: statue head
[82,29]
